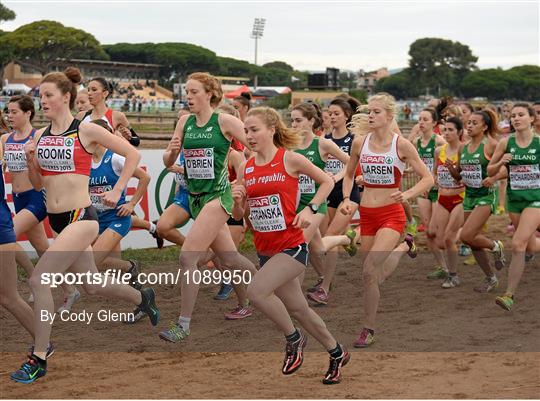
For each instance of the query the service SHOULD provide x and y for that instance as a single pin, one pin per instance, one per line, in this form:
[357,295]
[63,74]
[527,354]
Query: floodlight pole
[257,33]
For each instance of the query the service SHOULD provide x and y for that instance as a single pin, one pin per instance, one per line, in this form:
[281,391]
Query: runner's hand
[174,144]
[125,210]
[30,149]
[110,198]
[398,197]
[124,131]
[507,157]
[488,182]
[238,193]
[359,180]
[303,219]
[346,207]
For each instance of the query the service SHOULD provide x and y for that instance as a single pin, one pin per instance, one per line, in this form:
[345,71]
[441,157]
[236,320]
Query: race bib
[180,180]
[428,161]
[333,165]
[56,154]
[471,175]
[525,176]
[445,179]
[266,213]
[378,169]
[306,185]
[199,163]
[97,201]
[14,157]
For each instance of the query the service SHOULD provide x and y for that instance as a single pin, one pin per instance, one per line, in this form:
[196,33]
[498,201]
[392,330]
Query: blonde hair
[388,101]
[284,137]
[453,109]
[359,123]
[227,108]
[210,84]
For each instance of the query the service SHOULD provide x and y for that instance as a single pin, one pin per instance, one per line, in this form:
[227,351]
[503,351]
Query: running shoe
[500,210]
[294,355]
[30,371]
[148,305]
[138,314]
[240,312]
[438,273]
[316,285]
[174,333]
[412,227]
[134,272]
[48,354]
[224,292]
[470,261]
[464,250]
[412,252]
[490,283]
[450,282]
[505,302]
[333,374]
[351,248]
[498,255]
[31,298]
[529,257]
[69,301]
[320,297]
[365,339]
[159,240]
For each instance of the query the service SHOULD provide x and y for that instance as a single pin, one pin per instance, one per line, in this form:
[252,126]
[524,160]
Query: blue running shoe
[224,292]
[30,371]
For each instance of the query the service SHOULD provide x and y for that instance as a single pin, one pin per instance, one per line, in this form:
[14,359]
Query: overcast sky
[309,35]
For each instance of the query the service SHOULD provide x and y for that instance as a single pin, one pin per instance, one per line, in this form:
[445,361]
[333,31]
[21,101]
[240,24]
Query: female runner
[382,158]
[268,186]
[59,161]
[205,137]
[520,154]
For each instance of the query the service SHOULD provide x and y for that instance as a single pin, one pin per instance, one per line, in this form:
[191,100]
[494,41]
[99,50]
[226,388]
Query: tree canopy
[6,14]
[41,43]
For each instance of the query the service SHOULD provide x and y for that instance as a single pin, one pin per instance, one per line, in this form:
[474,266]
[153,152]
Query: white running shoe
[450,282]
[69,301]
[31,298]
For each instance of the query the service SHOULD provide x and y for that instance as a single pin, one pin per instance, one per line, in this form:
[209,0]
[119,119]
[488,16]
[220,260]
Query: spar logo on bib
[274,200]
[389,160]
[69,142]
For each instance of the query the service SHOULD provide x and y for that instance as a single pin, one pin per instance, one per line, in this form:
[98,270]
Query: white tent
[16,88]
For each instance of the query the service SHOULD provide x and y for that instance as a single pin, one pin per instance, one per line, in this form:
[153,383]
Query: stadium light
[257,32]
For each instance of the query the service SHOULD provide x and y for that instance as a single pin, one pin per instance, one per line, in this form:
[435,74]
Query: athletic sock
[336,352]
[184,323]
[294,336]
[152,228]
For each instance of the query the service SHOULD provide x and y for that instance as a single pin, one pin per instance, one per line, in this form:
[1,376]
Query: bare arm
[144,179]
[175,145]
[239,194]
[351,167]
[410,155]
[233,127]
[499,158]
[93,134]
[34,170]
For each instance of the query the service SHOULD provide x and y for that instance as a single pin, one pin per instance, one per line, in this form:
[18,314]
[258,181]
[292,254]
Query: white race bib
[524,176]
[266,213]
[97,201]
[56,154]
[199,163]
[471,175]
[333,165]
[14,157]
[306,185]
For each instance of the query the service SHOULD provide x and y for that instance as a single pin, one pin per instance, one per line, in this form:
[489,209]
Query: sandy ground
[431,343]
